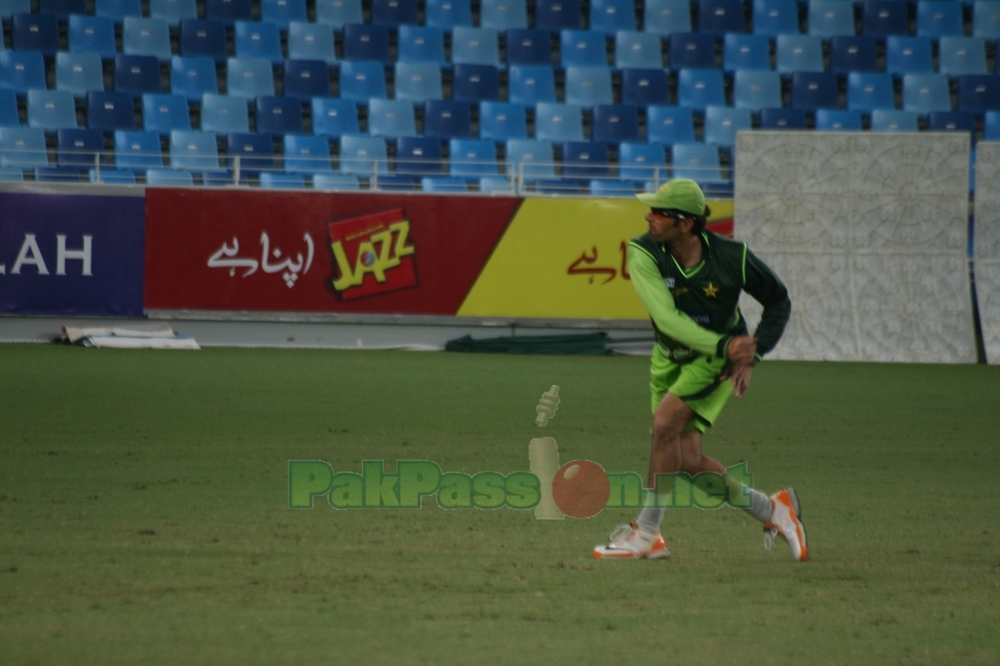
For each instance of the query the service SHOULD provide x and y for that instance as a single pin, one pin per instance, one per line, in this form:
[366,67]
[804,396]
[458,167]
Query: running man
[690,281]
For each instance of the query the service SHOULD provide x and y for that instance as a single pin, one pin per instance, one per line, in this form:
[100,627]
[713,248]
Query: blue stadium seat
[798,53]
[662,17]
[697,161]
[588,86]
[419,156]
[867,91]
[165,113]
[366,42]
[194,151]
[117,10]
[111,176]
[338,13]
[421,44]
[138,150]
[691,51]
[831,18]
[311,41]
[447,119]
[255,153]
[979,93]
[610,16]
[962,55]
[558,122]
[229,11]
[342,182]
[35,32]
[334,117]
[249,77]
[11,175]
[21,72]
[418,81]
[782,119]
[472,158]
[756,90]
[556,15]
[278,115]
[986,19]
[936,19]
[306,78]
[223,114]
[79,148]
[110,111]
[363,155]
[475,46]
[722,123]
[146,37]
[475,83]
[814,90]
[495,185]
[528,47]
[137,74]
[699,88]
[57,174]
[22,147]
[669,125]
[203,38]
[173,11]
[169,178]
[891,120]
[8,109]
[503,14]
[585,159]
[881,18]
[583,48]
[643,87]
[193,77]
[717,17]
[283,12]
[443,184]
[391,118]
[256,39]
[991,126]
[952,121]
[394,182]
[924,93]
[838,120]
[362,80]
[62,8]
[394,12]
[92,34]
[615,123]
[51,109]
[775,17]
[531,159]
[638,50]
[10,7]
[530,84]
[612,188]
[853,53]
[448,14]
[746,52]
[282,181]
[908,55]
[501,121]
[642,162]
[79,73]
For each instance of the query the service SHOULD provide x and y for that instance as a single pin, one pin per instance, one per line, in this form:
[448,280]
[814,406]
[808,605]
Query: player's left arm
[767,288]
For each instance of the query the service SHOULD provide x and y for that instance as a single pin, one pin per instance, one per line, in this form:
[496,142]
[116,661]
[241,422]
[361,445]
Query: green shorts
[695,382]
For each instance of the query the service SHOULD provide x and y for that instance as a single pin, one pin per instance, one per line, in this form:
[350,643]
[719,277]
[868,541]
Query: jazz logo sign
[373,254]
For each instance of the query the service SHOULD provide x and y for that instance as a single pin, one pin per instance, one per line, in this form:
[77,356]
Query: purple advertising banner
[71,254]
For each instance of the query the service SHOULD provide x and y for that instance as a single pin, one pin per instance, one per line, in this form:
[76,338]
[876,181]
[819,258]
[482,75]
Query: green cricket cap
[680,194]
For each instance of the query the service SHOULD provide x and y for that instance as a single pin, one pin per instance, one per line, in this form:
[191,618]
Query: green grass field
[144,519]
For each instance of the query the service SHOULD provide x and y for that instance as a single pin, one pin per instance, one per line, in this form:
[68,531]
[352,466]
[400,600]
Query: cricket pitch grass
[144,514]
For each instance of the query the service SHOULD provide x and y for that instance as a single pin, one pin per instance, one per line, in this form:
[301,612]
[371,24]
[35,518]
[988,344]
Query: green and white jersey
[696,309]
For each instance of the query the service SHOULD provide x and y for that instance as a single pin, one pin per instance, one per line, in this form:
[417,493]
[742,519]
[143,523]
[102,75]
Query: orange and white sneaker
[629,542]
[786,522]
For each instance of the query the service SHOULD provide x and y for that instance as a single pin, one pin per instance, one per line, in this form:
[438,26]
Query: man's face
[666,226]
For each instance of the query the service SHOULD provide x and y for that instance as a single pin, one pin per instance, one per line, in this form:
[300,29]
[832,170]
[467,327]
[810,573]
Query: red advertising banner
[317,252]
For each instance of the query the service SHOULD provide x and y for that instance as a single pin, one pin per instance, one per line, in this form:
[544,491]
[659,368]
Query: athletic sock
[650,518]
[760,507]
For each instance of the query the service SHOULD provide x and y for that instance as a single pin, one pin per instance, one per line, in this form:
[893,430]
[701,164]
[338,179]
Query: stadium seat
[62,8]
[722,123]
[958,56]
[814,90]
[394,182]
[986,19]
[447,119]
[612,188]
[831,18]
[503,14]
[79,148]
[138,150]
[335,181]
[22,147]
[311,41]
[585,159]
[475,83]
[57,174]
[448,14]
[891,120]
[92,34]
[867,91]
[951,121]
[250,77]
[853,53]
[362,80]
[501,121]
[699,88]
[35,32]
[775,17]
[193,77]
[556,15]
[668,125]
[173,11]
[137,74]
[663,17]
[255,153]
[782,119]
[908,55]
[798,53]
[615,123]
[306,78]
[583,48]
[530,84]
[528,47]
[531,159]
[256,39]
[838,120]
[21,72]
[111,176]
[391,118]
[641,162]
[229,11]
[421,44]
[643,87]
[475,46]
[79,73]
[418,81]
[881,18]
[10,7]
[691,51]
[638,50]
[110,111]
[169,178]
[278,115]
[495,185]
[8,109]
[394,12]
[588,86]
[717,17]
[746,52]
[756,90]
[51,109]
[223,114]
[697,161]
[472,158]
[558,122]
[203,38]
[419,156]
[165,113]
[936,19]
[366,42]
[991,126]
[11,175]
[282,181]
[338,13]
[924,93]
[194,151]
[610,16]
[443,184]
[146,37]
[334,117]
[979,93]
[363,155]
[283,12]
[117,10]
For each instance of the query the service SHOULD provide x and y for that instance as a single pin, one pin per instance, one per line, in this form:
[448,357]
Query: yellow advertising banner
[565,258]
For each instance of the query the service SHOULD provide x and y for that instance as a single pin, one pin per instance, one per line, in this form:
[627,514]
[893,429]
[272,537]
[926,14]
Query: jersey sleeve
[659,302]
[767,288]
